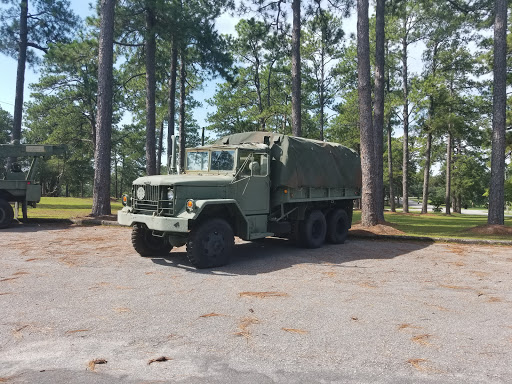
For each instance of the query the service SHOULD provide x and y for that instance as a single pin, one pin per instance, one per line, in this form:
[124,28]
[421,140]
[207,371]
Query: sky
[225,24]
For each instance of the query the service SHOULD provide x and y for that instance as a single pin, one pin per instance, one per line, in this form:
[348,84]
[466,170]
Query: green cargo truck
[251,185]
[17,186]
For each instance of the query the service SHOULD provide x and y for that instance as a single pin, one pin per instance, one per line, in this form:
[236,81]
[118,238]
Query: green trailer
[251,185]
[17,186]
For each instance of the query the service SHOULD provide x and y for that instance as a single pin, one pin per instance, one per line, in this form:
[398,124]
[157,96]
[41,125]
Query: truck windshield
[197,161]
[223,160]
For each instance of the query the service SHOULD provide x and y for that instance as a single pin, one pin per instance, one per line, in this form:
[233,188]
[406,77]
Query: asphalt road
[366,311]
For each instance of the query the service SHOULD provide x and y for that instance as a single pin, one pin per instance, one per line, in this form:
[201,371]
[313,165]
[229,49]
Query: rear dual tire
[317,228]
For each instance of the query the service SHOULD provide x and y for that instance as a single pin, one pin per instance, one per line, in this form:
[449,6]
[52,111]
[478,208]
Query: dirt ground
[78,305]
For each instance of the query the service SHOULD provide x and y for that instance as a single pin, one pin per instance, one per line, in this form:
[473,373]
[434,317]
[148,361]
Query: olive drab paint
[260,184]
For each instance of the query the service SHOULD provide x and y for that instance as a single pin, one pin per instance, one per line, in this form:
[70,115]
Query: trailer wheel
[210,244]
[6,213]
[337,226]
[146,244]
[312,231]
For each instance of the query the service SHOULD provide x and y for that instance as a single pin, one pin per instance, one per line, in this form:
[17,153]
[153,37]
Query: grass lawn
[438,224]
[414,224]
[65,208]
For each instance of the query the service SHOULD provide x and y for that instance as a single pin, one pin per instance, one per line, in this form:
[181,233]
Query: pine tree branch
[37,46]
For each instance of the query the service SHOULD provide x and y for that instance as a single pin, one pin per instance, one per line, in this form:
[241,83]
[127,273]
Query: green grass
[438,225]
[413,224]
[65,208]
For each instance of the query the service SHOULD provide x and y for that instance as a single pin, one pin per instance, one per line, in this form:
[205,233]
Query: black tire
[210,244]
[312,231]
[148,245]
[6,214]
[337,226]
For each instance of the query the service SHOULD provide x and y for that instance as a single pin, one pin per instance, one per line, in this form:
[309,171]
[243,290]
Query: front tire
[312,231]
[146,244]
[6,213]
[210,244]
[337,226]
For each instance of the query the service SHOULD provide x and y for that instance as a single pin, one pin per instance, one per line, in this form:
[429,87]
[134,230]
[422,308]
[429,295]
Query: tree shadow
[273,254]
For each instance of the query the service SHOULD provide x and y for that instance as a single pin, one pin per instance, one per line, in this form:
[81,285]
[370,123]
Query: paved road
[366,311]
[416,206]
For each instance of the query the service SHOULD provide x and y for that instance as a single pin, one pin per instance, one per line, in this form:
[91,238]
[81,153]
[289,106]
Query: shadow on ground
[36,225]
[273,254]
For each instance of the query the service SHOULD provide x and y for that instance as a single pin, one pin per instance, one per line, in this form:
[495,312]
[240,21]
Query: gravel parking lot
[78,305]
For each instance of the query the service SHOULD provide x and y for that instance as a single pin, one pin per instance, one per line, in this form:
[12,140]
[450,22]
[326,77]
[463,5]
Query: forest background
[438,116]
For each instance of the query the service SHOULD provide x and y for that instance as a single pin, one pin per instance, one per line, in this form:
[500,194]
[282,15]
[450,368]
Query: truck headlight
[170,194]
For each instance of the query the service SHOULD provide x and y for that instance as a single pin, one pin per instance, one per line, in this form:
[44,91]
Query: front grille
[153,200]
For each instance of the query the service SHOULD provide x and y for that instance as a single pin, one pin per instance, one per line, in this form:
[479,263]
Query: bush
[437,199]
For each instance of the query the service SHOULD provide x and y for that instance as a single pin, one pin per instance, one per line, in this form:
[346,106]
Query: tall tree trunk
[448,173]
[390,170]
[257,84]
[379,110]
[172,96]
[428,151]
[150,48]
[497,184]
[102,154]
[296,79]
[426,173]
[322,94]
[183,134]
[115,175]
[390,147]
[405,164]
[20,75]
[369,215]
[20,79]
[160,149]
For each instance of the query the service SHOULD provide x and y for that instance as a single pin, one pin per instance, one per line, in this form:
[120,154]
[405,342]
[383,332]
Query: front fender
[239,221]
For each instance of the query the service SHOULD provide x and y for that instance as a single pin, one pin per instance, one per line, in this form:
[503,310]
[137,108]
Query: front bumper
[155,223]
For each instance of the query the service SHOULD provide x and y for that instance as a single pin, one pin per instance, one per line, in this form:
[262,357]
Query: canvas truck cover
[298,162]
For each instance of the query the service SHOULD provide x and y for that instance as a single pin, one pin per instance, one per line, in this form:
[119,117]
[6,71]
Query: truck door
[253,186]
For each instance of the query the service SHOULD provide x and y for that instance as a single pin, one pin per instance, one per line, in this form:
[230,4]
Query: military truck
[17,186]
[251,185]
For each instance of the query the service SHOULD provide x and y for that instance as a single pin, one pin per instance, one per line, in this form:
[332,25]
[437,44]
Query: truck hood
[190,180]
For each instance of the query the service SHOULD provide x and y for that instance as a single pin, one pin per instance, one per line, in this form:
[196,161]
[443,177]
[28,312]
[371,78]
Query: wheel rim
[214,244]
[317,229]
[340,227]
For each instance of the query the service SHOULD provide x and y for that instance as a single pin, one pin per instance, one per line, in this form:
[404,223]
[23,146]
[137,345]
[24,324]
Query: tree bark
[160,149]
[257,84]
[20,75]
[426,174]
[390,170]
[102,154]
[448,173]
[379,110]
[496,213]
[150,63]
[172,96]
[183,136]
[405,164]
[368,204]
[296,77]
